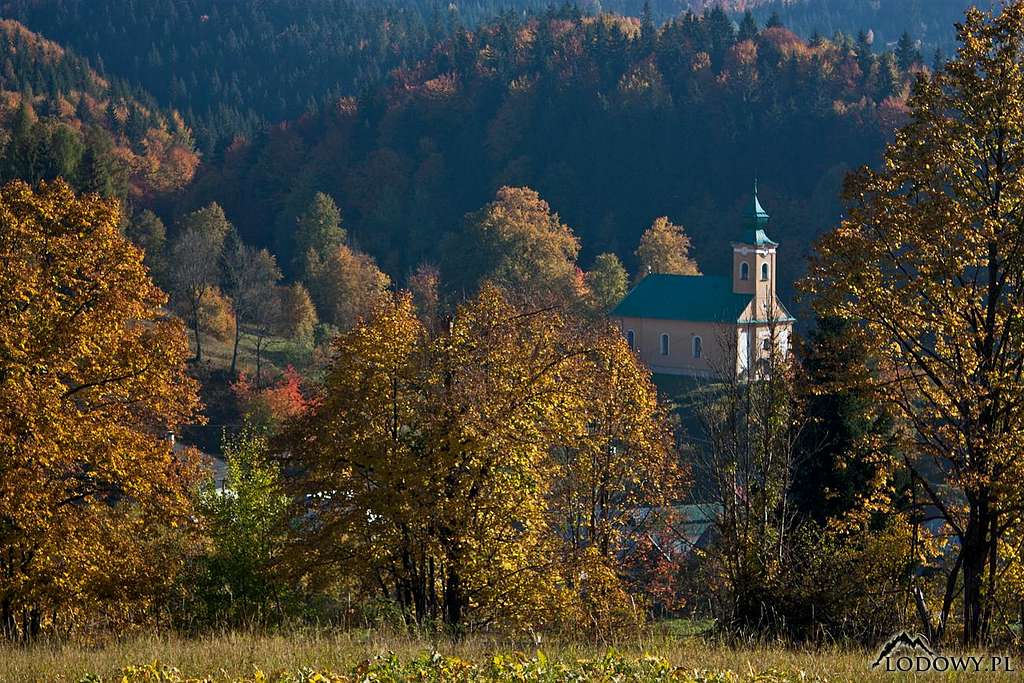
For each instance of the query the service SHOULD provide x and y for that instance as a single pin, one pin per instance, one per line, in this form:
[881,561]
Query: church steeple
[753,255]
[758,213]
[755,223]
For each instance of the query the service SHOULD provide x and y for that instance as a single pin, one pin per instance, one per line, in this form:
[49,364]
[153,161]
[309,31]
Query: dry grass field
[236,656]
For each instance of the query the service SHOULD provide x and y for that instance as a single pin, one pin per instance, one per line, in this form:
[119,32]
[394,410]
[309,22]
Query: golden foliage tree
[518,243]
[298,318]
[429,460]
[345,285]
[92,378]
[615,478]
[930,266]
[665,248]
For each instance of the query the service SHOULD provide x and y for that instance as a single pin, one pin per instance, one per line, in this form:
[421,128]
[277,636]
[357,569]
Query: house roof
[700,298]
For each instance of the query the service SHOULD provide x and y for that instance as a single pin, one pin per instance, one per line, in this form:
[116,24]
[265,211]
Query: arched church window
[631,339]
[744,271]
[764,271]
[698,349]
[664,344]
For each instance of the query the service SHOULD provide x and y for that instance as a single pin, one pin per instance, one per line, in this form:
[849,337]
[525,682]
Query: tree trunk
[453,606]
[234,350]
[195,329]
[975,553]
[8,625]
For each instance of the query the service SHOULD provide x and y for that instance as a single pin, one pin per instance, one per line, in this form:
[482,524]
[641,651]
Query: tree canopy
[431,463]
[929,269]
[92,380]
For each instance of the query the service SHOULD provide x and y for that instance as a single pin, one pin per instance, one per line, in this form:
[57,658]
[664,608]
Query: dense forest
[929,21]
[232,68]
[62,119]
[612,120]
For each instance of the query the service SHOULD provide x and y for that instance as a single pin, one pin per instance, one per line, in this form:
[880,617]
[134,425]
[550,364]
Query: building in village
[706,326]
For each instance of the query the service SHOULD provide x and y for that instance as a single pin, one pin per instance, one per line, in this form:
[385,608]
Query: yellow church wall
[723,345]
[715,355]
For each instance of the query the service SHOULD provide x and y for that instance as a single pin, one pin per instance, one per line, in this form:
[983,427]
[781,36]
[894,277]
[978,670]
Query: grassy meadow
[285,656]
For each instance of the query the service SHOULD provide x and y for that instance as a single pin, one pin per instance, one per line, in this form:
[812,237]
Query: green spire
[755,222]
[759,214]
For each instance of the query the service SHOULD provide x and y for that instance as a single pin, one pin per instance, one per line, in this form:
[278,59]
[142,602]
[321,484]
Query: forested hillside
[390,297]
[232,67]
[235,67]
[62,119]
[930,21]
[612,121]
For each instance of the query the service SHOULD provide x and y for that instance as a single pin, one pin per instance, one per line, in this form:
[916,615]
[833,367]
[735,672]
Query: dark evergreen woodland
[234,67]
[60,118]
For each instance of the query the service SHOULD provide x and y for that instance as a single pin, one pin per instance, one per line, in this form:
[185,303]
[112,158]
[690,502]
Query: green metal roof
[701,298]
[754,224]
[758,212]
[758,237]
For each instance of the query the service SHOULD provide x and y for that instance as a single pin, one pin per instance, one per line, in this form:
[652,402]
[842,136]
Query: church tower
[712,325]
[753,260]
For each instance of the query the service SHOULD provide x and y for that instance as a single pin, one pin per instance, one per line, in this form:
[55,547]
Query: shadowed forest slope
[60,118]
[614,122]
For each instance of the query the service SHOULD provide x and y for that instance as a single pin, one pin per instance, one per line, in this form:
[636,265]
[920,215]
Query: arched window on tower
[764,271]
[698,349]
[744,271]
[631,339]
[664,344]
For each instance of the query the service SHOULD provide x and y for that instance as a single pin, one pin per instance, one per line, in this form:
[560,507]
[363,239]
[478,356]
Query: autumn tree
[430,458]
[518,243]
[195,259]
[607,283]
[269,406]
[346,285]
[665,248]
[92,379]
[929,268]
[615,481]
[217,316]
[297,318]
[425,284]
[251,276]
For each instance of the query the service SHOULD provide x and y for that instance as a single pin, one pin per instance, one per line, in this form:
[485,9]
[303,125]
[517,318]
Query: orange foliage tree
[92,377]
[484,474]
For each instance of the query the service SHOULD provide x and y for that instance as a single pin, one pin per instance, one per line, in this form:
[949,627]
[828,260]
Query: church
[711,326]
